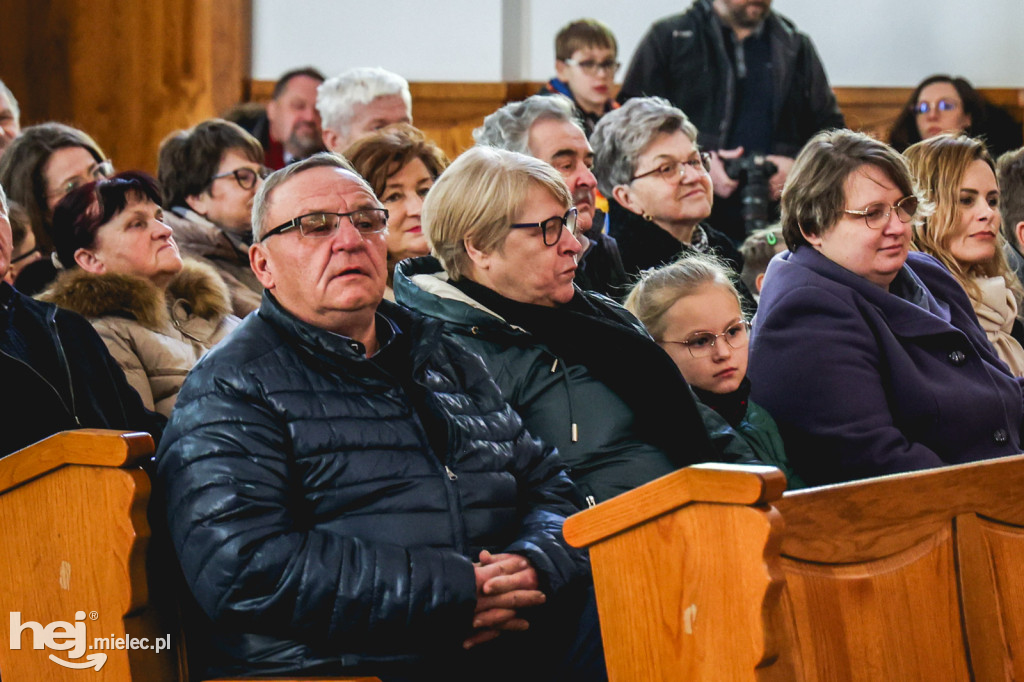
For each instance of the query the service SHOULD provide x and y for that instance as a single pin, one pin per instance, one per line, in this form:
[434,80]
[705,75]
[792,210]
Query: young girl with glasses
[692,309]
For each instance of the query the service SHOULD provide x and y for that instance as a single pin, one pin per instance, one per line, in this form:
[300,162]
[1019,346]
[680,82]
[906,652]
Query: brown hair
[814,197]
[581,34]
[189,159]
[379,156]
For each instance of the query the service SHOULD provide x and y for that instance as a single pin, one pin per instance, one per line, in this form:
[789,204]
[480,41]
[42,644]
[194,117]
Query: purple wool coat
[863,382]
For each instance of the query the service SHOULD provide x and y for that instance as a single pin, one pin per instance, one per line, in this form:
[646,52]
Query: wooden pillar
[128,73]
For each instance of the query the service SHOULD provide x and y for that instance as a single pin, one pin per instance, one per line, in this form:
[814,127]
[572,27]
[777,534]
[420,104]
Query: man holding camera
[751,82]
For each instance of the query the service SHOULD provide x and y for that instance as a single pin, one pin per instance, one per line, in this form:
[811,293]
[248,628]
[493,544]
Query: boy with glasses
[586,61]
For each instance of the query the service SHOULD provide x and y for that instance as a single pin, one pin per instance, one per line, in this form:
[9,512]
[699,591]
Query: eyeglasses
[27,254]
[98,171]
[322,224]
[551,229]
[701,344]
[876,216]
[591,68]
[670,170]
[245,177]
[922,108]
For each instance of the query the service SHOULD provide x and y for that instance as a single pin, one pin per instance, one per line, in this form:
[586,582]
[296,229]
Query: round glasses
[245,177]
[702,344]
[670,170]
[922,108]
[876,216]
[551,229]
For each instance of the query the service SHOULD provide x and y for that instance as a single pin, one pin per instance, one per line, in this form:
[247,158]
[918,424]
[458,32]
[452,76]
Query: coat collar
[197,290]
[913,311]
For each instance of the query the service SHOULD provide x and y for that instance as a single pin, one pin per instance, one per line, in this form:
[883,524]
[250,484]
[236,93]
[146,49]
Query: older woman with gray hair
[658,186]
[503,230]
[869,356]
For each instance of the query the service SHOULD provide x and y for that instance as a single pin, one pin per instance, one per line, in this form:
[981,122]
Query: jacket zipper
[52,319]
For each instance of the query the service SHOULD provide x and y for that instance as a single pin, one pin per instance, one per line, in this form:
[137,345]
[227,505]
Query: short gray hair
[3,201]
[337,98]
[508,128]
[261,202]
[6,91]
[623,134]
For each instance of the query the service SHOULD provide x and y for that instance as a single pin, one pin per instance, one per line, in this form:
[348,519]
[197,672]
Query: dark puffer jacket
[316,526]
[612,442]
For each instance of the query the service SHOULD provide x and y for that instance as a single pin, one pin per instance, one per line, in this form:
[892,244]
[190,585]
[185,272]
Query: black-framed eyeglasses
[551,229]
[701,344]
[876,216]
[245,177]
[591,67]
[321,224]
[670,170]
[98,171]
[27,254]
[922,108]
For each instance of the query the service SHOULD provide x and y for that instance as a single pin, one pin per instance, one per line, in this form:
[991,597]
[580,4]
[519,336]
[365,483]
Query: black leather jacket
[683,58]
[326,512]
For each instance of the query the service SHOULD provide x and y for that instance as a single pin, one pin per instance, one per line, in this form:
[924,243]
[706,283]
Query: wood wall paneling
[128,73]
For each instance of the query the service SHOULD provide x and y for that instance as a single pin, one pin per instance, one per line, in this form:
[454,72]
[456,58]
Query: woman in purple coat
[869,357]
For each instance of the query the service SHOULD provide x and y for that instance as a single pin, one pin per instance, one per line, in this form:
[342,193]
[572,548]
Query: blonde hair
[477,198]
[939,164]
[658,289]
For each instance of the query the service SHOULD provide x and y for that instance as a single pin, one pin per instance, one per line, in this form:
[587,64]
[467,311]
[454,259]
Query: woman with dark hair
[401,166]
[38,169]
[209,175]
[947,104]
[156,314]
[869,356]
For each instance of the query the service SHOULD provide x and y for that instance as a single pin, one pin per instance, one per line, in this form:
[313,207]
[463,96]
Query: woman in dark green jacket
[578,368]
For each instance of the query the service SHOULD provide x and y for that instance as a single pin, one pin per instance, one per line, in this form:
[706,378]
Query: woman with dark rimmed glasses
[580,370]
[869,356]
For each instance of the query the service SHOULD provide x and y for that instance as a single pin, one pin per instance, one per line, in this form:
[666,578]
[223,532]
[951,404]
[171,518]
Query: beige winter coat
[200,239]
[155,337]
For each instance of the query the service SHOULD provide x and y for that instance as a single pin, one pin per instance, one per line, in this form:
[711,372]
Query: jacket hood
[423,285]
[91,295]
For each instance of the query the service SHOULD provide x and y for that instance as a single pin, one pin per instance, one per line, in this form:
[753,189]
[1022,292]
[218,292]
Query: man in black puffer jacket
[346,490]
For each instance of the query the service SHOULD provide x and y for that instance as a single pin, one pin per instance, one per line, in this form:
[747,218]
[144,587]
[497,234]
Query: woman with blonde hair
[693,311]
[957,175]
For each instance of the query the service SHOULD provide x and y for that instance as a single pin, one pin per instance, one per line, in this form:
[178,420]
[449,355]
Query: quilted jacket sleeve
[253,560]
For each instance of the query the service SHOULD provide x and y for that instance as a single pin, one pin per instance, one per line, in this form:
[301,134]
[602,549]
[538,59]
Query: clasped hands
[505,583]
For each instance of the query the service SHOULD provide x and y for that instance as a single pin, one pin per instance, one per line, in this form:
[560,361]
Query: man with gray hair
[10,117]
[359,102]
[346,489]
[548,128]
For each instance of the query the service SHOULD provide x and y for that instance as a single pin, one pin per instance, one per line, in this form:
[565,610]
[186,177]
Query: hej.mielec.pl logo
[71,637]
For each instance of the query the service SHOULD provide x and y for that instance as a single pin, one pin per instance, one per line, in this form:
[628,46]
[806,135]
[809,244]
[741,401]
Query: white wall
[862,42]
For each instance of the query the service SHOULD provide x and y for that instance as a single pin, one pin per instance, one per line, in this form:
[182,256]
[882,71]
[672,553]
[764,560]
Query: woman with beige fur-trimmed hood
[157,314]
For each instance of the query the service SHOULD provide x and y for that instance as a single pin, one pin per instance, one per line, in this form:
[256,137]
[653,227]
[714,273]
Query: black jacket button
[1000,436]
[958,358]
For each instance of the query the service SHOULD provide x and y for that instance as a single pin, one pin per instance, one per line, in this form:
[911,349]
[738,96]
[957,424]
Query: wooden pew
[73,549]
[712,573]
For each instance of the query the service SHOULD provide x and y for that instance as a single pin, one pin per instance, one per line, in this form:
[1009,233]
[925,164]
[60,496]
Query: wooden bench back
[73,549]
[711,573]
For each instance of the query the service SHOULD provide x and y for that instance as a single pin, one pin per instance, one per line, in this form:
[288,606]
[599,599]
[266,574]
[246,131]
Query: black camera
[753,173]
